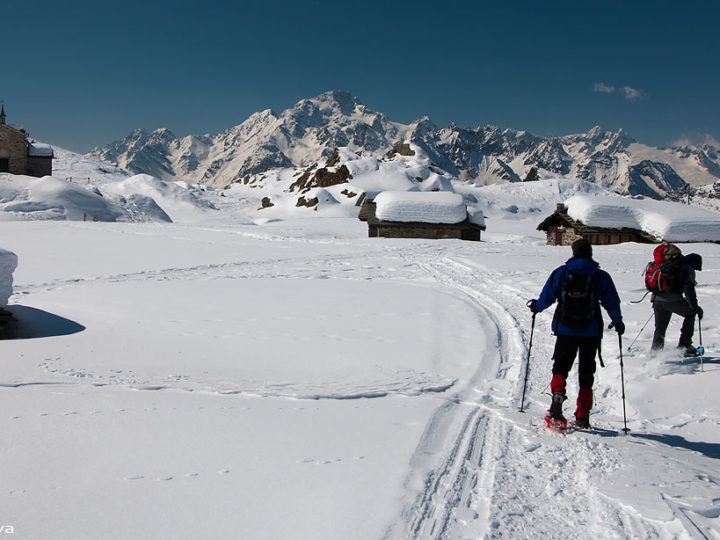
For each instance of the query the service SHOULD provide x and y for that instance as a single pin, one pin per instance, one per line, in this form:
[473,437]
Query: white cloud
[632,93]
[603,88]
[696,139]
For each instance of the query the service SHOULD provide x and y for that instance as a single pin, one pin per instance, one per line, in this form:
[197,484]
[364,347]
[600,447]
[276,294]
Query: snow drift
[25,197]
[8,263]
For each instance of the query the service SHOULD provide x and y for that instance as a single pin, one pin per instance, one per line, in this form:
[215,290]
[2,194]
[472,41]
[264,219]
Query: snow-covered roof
[40,150]
[668,221]
[424,207]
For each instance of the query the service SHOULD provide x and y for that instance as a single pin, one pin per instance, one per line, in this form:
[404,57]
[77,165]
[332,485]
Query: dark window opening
[4,164]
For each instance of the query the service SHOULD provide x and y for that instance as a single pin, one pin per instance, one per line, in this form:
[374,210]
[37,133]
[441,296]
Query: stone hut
[18,155]
[428,222]
[562,230]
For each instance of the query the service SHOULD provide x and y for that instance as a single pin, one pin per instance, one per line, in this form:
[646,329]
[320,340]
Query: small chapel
[20,155]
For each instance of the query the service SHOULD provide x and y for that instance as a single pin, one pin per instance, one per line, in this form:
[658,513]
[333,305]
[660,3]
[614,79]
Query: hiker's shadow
[35,323]
[687,366]
[711,450]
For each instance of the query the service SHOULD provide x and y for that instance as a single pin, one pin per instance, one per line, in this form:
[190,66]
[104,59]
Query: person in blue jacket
[580,288]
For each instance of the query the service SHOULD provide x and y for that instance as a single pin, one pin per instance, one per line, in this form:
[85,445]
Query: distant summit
[310,131]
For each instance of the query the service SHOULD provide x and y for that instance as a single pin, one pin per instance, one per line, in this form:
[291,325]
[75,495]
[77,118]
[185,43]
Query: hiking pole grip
[527,363]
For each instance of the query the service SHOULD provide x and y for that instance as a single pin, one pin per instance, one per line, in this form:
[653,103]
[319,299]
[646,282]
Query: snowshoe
[556,424]
[688,351]
[554,417]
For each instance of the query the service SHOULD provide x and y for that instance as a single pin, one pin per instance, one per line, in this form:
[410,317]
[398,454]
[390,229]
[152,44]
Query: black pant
[567,348]
[664,306]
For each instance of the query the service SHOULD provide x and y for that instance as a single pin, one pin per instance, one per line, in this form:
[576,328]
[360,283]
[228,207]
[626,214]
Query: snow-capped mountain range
[311,130]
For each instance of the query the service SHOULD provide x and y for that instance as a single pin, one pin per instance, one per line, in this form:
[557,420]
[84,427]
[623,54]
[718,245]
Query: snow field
[272,377]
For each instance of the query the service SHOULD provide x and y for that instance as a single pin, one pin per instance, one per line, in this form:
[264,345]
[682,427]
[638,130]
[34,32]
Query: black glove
[531,305]
[619,327]
[699,312]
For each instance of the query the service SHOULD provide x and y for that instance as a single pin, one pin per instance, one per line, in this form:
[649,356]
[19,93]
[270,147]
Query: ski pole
[622,380]
[702,349]
[641,331]
[527,363]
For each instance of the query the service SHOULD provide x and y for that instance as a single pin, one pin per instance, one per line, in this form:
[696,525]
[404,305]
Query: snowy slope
[96,198]
[296,379]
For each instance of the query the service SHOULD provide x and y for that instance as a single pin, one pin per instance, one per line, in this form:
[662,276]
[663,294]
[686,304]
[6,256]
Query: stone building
[562,230]
[435,227]
[19,155]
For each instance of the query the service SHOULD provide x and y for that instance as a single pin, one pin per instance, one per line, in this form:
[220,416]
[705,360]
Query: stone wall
[568,236]
[13,146]
[39,166]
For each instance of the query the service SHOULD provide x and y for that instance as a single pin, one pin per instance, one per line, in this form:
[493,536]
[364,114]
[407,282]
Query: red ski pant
[566,349]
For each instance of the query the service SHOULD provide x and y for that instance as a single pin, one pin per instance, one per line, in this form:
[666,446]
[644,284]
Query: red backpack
[663,272]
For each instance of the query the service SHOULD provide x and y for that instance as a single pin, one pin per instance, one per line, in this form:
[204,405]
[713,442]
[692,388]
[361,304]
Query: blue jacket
[604,287]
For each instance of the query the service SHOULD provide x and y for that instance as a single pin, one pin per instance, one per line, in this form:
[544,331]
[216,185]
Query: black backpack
[578,304]
[672,273]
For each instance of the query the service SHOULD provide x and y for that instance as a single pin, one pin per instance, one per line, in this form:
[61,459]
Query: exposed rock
[322,178]
[532,175]
[309,202]
[403,149]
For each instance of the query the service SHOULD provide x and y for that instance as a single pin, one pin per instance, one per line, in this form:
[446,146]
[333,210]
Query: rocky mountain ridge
[313,128]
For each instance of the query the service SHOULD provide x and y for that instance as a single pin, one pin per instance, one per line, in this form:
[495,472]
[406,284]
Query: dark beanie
[582,249]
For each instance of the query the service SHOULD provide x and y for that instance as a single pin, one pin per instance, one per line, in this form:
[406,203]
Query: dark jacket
[605,292]
[685,285]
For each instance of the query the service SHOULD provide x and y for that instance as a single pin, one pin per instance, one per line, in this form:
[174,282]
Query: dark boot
[582,422]
[555,410]
[687,350]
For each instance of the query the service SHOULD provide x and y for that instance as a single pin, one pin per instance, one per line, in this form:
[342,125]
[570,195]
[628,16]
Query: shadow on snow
[711,450]
[35,323]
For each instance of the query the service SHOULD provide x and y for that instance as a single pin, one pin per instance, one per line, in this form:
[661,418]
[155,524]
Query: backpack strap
[602,364]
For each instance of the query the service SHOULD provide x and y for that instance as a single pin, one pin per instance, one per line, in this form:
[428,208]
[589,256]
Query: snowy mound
[524,199]
[671,222]
[333,190]
[175,198]
[412,206]
[81,169]
[8,263]
[373,174]
[25,197]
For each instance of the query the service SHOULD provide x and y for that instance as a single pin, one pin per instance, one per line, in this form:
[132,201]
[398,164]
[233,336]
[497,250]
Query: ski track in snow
[476,470]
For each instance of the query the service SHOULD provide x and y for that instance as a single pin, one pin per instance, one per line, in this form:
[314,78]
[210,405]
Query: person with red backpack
[671,279]
[580,288]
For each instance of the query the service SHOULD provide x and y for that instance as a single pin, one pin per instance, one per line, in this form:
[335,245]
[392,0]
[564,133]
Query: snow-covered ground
[238,374]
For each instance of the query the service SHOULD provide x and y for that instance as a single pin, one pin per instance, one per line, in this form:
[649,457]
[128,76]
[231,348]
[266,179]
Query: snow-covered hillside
[95,198]
[309,132]
[234,376]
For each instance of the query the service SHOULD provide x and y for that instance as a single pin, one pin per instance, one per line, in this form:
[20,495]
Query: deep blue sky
[82,74]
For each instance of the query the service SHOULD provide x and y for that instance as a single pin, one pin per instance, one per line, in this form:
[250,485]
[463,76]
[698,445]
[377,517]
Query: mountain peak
[309,131]
[336,100]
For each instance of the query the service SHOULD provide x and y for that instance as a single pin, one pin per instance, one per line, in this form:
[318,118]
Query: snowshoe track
[477,468]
